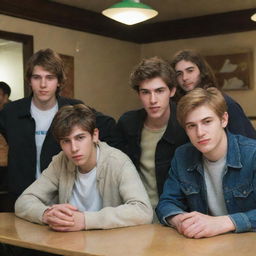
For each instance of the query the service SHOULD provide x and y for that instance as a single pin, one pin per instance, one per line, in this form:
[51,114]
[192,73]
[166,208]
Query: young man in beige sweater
[97,186]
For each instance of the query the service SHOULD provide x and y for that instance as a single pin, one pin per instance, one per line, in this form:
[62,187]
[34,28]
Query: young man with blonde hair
[96,186]
[211,185]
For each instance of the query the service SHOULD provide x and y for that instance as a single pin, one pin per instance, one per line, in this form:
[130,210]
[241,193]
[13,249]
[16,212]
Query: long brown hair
[207,77]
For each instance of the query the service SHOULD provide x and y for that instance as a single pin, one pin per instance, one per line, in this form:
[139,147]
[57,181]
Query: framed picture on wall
[68,90]
[233,71]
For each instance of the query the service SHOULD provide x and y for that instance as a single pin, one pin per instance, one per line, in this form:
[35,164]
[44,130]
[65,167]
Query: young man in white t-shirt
[97,186]
[25,123]
[211,185]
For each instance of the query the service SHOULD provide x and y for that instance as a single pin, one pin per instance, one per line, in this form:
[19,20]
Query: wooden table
[145,240]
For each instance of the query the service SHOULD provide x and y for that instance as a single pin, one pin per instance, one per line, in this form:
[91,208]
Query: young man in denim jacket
[211,185]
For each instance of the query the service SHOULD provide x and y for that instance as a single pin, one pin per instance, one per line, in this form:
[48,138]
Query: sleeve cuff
[241,222]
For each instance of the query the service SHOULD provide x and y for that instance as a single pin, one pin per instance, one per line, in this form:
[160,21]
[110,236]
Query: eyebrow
[190,67]
[67,137]
[185,69]
[144,89]
[199,120]
[36,74]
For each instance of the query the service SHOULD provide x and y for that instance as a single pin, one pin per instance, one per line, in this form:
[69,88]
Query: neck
[91,162]
[158,123]
[219,151]
[44,105]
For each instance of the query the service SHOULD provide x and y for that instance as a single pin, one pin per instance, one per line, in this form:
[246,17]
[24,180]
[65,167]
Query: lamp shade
[130,12]
[253,17]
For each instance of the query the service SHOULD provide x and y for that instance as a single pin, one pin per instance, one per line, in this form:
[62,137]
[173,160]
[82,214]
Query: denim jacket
[185,189]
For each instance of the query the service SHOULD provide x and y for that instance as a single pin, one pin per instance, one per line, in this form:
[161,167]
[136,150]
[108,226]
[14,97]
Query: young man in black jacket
[150,135]
[26,123]
[192,71]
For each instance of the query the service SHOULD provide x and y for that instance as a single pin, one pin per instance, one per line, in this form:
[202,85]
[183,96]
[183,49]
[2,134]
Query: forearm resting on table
[64,217]
[197,225]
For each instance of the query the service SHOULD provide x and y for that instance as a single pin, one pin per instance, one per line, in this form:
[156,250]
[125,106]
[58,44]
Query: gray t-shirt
[213,175]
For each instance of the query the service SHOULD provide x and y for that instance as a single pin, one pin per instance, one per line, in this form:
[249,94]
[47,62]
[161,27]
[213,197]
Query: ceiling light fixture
[253,17]
[130,12]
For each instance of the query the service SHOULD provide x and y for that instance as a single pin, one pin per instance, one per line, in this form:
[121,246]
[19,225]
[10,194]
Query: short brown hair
[69,116]
[50,61]
[211,97]
[152,68]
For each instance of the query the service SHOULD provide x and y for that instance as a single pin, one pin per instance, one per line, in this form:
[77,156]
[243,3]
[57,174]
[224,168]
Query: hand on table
[198,225]
[64,217]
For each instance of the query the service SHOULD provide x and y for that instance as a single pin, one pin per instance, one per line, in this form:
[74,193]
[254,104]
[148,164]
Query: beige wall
[11,67]
[102,65]
[221,44]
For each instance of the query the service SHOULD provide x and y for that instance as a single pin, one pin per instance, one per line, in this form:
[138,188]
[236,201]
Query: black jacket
[127,137]
[238,123]
[18,127]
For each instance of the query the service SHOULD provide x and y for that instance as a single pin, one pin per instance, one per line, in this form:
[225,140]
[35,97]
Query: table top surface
[144,240]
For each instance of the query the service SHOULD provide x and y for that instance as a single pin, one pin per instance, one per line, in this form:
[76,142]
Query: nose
[153,98]
[184,76]
[74,147]
[43,82]
[200,131]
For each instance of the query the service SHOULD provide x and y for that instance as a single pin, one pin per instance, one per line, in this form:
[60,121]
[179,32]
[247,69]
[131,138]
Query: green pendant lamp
[253,17]
[130,12]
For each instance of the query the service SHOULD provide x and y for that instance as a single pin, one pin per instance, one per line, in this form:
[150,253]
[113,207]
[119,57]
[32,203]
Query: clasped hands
[64,217]
[198,225]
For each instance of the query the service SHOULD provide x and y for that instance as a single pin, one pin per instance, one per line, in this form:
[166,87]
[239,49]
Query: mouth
[154,109]
[189,84]
[43,92]
[203,142]
[77,157]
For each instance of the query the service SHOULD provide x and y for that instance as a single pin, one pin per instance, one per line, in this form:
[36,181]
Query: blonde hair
[211,97]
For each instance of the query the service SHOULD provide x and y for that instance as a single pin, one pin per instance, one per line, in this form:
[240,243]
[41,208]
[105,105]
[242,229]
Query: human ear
[172,92]
[224,120]
[95,135]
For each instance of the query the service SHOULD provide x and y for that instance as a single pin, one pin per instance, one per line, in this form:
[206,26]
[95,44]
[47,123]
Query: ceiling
[177,19]
[171,9]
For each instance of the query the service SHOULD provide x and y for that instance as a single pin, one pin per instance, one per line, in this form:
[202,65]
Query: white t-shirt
[85,195]
[43,120]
